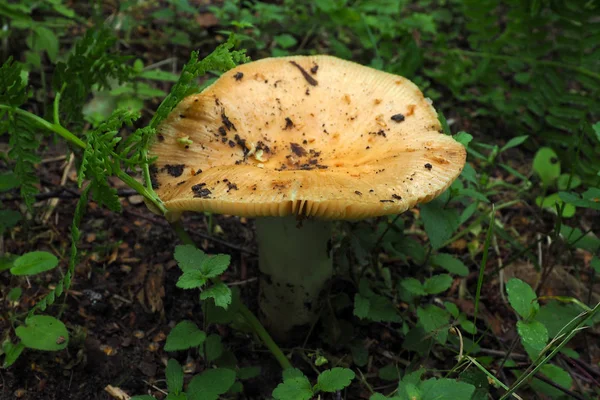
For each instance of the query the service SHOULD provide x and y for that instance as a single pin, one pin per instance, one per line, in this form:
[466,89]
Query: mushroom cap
[304,135]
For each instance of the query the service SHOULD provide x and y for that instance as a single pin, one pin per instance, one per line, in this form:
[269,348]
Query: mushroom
[298,142]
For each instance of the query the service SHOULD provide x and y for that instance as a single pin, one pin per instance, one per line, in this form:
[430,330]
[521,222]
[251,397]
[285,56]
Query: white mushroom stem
[295,264]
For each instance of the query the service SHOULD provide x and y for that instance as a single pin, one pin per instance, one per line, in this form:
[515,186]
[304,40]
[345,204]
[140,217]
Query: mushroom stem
[295,264]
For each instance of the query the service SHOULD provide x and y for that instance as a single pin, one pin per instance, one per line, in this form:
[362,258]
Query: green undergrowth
[408,314]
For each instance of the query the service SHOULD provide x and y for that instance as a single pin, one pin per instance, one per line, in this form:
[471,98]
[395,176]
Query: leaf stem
[57,103]
[56,128]
[248,316]
[141,189]
[264,336]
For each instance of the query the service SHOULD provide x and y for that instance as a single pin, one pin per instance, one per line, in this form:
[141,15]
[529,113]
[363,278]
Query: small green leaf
[210,384]
[183,336]
[8,219]
[285,41]
[514,142]
[43,39]
[215,265]
[221,294]
[33,263]
[446,389]
[298,388]
[174,375]
[360,355]
[43,332]
[596,128]
[522,298]
[450,264]
[191,280]
[434,320]
[143,397]
[413,286]
[14,294]
[438,284]
[7,262]
[8,181]
[463,138]
[440,223]
[563,182]
[390,372]
[534,336]
[213,347]
[11,353]
[452,309]
[248,372]
[291,373]
[335,379]
[595,264]
[361,306]
[546,165]
[557,375]
[189,257]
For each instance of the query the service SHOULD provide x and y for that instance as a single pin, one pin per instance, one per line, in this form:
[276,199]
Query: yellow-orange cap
[306,135]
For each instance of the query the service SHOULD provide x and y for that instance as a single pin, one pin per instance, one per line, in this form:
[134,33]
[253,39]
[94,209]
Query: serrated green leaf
[290,373]
[34,262]
[452,309]
[210,384]
[189,257]
[361,306]
[214,266]
[434,320]
[450,264]
[298,388]
[413,286]
[440,223]
[213,347]
[191,280]
[43,332]
[334,379]
[522,298]
[183,336]
[220,293]
[174,375]
[437,284]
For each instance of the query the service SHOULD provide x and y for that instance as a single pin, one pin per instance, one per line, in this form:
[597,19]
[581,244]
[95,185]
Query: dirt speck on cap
[297,149]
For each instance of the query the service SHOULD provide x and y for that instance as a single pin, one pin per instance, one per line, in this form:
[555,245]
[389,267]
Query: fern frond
[101,158]
[92,63]
[23,144]
[65,283]
[13,91]
[221,59]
